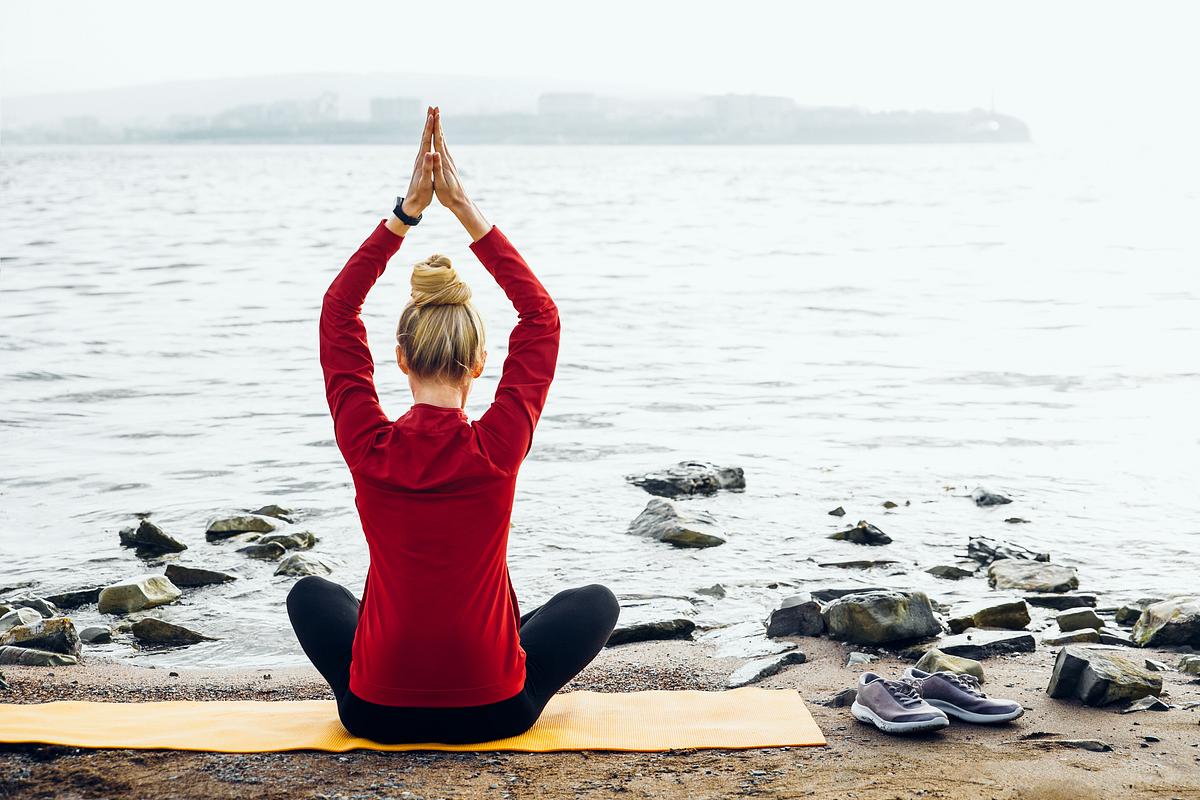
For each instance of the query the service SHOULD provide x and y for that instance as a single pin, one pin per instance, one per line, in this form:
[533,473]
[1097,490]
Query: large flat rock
[880,617]
[978,644]
[1171,622]
[1022,575]
[1101,677]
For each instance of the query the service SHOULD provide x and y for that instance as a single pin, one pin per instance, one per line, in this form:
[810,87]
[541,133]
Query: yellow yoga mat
[634,721]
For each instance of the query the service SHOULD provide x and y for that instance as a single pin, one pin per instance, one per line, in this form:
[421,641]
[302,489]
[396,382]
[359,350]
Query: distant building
[569,104]
[282,115]
[386,110]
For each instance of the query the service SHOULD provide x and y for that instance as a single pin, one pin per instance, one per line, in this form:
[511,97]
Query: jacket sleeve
[505,431]
[345,356]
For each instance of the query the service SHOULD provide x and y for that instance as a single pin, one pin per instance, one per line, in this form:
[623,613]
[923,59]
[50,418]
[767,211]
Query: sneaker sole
[864,714]
[970,716]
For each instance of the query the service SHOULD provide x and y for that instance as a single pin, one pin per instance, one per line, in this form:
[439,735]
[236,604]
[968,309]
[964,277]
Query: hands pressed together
[435,174]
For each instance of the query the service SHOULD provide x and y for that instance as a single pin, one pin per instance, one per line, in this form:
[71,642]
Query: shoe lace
[968,683]
[906,692]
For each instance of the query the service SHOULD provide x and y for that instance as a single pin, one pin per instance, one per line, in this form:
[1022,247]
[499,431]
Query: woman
[438,651]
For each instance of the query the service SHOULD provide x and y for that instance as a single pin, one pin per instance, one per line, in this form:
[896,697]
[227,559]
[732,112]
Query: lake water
[850,325]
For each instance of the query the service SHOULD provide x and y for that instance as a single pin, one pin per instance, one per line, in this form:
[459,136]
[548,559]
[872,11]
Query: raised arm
[346,357]
[505,430]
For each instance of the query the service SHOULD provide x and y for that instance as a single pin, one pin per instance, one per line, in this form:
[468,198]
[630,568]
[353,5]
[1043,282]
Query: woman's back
[438,650]
[439,622]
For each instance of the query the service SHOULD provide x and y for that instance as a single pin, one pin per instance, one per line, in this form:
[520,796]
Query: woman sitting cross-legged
[437,650]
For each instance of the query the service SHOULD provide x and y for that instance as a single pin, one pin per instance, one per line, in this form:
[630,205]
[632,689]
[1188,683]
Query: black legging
[560,638]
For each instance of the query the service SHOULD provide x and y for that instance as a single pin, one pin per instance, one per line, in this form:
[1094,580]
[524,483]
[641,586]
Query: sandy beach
[1154,754]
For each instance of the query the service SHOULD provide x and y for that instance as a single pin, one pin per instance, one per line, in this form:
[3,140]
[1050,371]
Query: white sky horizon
[1100,70]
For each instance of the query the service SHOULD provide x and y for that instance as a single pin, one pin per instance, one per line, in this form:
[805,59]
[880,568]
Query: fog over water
[850,325]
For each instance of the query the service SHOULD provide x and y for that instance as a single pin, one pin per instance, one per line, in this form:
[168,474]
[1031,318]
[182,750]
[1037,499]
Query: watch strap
[405,218]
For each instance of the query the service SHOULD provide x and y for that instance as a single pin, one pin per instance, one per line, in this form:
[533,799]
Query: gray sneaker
[894,706]
[960,697]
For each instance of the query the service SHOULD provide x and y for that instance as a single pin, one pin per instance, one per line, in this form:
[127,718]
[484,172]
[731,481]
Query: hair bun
[434,283]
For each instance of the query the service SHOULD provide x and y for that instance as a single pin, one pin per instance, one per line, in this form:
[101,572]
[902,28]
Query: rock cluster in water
[32,632]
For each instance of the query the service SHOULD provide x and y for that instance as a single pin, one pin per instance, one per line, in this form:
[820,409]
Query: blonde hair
[440,331]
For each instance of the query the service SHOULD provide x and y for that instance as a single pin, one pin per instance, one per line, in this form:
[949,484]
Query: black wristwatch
[405,218]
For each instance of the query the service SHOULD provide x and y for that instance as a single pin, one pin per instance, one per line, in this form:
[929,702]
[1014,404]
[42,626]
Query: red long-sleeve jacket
[439,622]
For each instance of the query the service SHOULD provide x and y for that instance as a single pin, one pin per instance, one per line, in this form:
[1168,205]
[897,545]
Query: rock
[135,594]
[838,512]
[1171,622]
[978,644]
[689,478]
[842,699]
[755,671]
[1156,666]
[936,660]
[985,550]
[652,631]
[1082,636]
[1017,521]
[149,539]
[29,657]
[225,527]
[19,616]
[856,658]
[983,497]
[860,564]
[798,615]
[1031,576]
[1009,615]
[38,604]
[1129,613]
[267,552]
[5,609]
[1074,619]
[74,598]
[1061,602]
[156,631]
[716,590]
[181,575]
[278,512]
[951,572]
[1147,703]
[1189,665]
[1091,745]
[888,504]
[1115,638]
[1100,677]
[57,635]
[302,540]
[1012,615]
[662,521]
[825,595]
[96,634]
[300,564]
[879,617]
[862,533]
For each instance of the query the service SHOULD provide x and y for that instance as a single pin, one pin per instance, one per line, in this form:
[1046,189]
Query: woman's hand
[446,182]
[449,188]
[420,187]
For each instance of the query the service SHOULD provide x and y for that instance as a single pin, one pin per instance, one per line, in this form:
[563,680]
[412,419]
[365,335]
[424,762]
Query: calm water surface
[850,325]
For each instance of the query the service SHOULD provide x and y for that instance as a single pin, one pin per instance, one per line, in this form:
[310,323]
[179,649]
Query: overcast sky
[1108,70]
